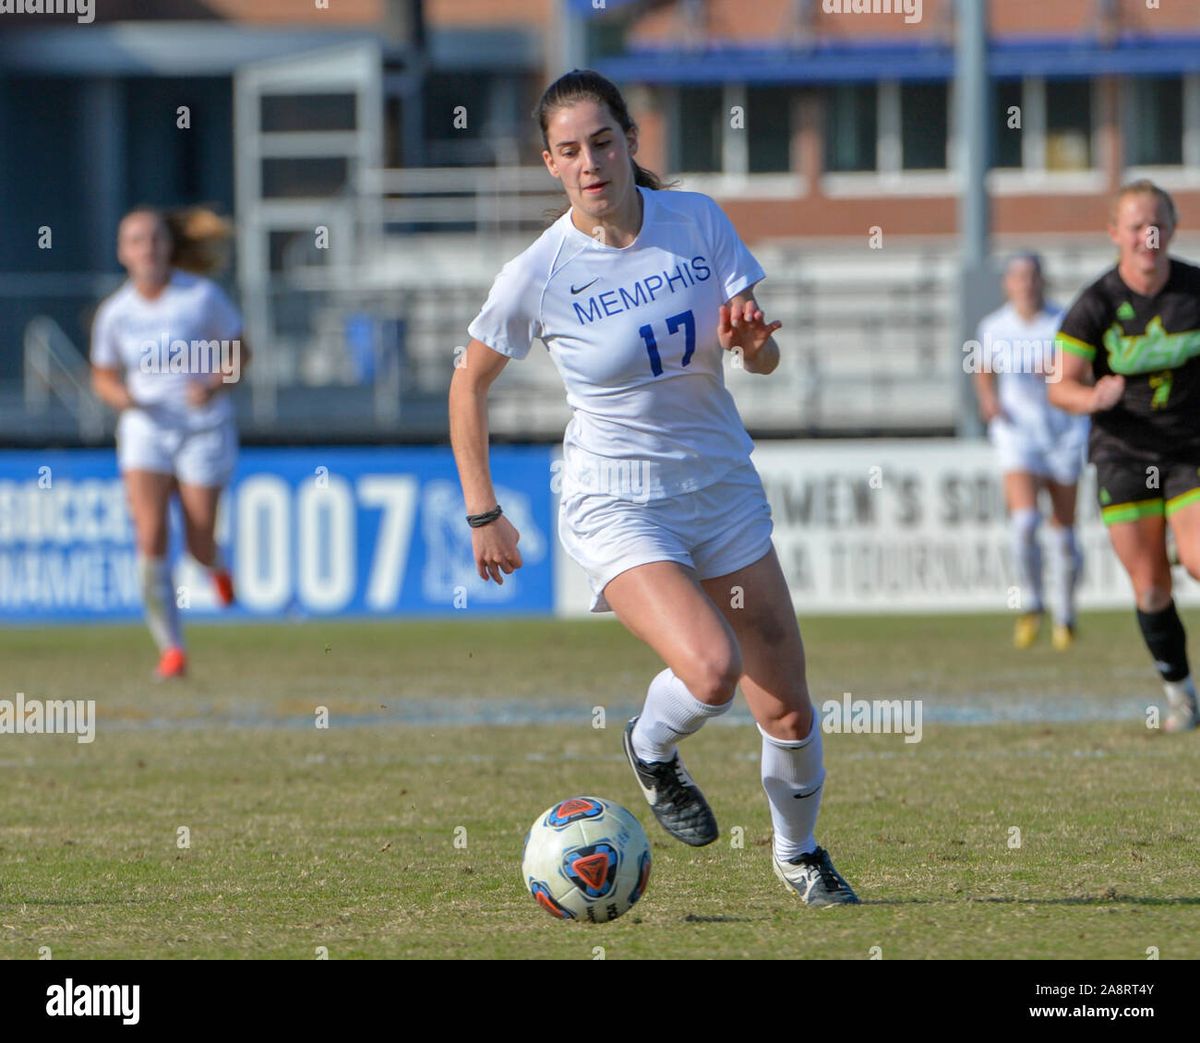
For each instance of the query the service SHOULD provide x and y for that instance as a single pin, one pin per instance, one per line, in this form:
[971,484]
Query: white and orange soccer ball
[586,859]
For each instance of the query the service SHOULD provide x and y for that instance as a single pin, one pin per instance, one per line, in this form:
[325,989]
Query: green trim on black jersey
[1154,349]
[1065,342]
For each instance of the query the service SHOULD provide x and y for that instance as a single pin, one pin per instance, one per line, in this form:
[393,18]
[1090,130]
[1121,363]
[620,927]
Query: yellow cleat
[1063,636]
[1026,630]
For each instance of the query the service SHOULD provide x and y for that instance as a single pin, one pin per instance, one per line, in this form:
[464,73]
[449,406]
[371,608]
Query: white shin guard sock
[671,713]
[793,774]
[1027,557]
[158,598]
[1068,567]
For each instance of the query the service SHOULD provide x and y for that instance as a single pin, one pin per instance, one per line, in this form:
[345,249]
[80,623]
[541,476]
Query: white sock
[158,597]
[671,713]
[1027,557]
[793,774]
[1067,571]
[1180,689]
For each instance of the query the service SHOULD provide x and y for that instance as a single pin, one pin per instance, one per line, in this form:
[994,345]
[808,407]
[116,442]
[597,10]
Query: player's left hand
[741,327]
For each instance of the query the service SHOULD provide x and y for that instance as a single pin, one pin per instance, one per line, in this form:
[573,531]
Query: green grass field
[345,837]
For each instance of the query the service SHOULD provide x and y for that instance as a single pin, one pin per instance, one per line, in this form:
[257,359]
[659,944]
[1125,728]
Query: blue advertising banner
[306,531]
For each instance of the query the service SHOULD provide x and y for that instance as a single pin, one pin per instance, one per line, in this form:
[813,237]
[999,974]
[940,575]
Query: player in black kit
[1129,351]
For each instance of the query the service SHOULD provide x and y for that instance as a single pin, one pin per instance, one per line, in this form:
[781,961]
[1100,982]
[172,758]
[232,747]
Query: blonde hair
[1144,187]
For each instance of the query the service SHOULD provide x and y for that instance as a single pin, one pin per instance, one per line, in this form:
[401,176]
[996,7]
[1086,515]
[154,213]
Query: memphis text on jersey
[643,291]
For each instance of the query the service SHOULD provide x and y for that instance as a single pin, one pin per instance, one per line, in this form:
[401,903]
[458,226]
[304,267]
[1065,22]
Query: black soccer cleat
[673,796]
[813,878]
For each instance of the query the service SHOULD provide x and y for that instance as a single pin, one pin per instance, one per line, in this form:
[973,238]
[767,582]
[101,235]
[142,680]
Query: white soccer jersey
[1021,354]
[633,333]
[152,342]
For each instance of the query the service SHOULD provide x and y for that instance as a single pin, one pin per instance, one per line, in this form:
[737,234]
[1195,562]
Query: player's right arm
[108,379]
[110,388]
[494,544]
[985,391]
[983,379]
[1072,386]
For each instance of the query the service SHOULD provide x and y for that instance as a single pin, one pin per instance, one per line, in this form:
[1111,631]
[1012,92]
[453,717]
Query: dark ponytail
[585,85]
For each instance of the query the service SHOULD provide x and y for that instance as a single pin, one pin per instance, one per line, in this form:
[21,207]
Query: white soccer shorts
[147,443]
[1059,460]
[715,530]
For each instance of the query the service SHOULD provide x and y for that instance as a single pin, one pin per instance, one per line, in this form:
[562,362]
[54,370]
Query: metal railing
[487,200]
[56,370]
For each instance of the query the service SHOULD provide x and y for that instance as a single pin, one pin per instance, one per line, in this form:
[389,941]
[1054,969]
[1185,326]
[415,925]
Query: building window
[769,129]
[851,128]
[1006,140]
[1154,131]
[1068,125]
[476,119]
[924,126]
[305,113]
[699,127]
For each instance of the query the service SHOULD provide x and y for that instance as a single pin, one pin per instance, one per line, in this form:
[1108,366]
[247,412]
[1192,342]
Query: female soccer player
[1129,348]
[166,350]
[1038,446]
[636,293]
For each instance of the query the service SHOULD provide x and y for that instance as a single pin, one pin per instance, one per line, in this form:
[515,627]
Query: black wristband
[478,520]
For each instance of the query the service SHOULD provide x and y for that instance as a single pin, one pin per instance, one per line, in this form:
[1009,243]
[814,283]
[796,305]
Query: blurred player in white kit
[166,352]
[1039,446]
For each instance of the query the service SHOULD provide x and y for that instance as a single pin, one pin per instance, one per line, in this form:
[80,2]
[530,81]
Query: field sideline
[344,837]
